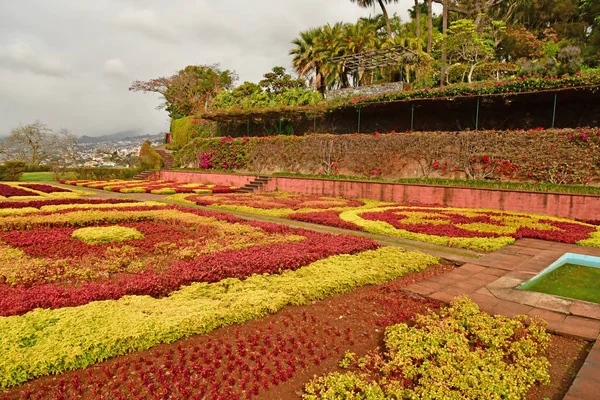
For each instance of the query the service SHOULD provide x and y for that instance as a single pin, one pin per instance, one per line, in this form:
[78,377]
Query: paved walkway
[491,282]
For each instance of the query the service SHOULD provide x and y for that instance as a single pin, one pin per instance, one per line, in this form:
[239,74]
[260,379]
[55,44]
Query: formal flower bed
[155,187]
[44,188]
[12,191]
[481,230]
[141,249]
[278,204]
[18,191]
[247,360]
[107,278]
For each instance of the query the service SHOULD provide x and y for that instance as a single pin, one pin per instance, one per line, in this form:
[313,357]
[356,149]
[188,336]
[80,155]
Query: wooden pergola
[374,59]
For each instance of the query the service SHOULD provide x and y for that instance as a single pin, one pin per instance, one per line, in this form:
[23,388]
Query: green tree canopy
[189,91]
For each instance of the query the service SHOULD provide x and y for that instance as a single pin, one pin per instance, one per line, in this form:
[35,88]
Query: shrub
[149,158]
[187,128]
[12,170]
[557,156]
[102,173]
[106,234]
[461,353]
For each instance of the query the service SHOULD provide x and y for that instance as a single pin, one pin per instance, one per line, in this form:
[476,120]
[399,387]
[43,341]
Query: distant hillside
[115,137]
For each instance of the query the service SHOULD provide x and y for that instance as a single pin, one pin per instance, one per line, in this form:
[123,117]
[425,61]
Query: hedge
[558,156]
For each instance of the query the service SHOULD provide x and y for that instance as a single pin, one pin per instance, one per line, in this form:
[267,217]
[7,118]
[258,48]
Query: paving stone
[485,291]
[528,251]
[534,243]
[472,268]
[431,284]
[505,282]
[516,296]
[469,286]
[483,276]
[569,397]
[490,260]
[511,309]
[581,321]
[483,300]
[419,289]
[479,282]
[442,296]
[495,272]
[521,275]
[580,332]
[553,303]
[594,357]
[585,388]
[455,291]
[589,371]
[585,309]
[459,273]
[548,316]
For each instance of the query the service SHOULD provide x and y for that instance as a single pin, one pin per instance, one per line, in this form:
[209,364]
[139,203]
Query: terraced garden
[116,298]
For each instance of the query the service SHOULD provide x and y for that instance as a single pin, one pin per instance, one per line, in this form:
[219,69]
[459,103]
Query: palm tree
[369,3]
[417,19]
[444,52]
[429,27]
[306,60]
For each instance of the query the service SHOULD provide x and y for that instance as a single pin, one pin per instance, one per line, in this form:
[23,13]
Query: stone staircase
[168,160]
[144,175]
[168,163]
[256,184]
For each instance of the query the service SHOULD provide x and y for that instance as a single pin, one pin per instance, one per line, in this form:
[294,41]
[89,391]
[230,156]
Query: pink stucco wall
[199,177]
[559,205]
[575,206]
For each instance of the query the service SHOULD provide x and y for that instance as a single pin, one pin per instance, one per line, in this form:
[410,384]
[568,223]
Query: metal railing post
[554,110]
[477,116]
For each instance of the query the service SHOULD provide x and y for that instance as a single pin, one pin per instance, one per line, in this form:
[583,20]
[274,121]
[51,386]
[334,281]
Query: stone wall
[374,90]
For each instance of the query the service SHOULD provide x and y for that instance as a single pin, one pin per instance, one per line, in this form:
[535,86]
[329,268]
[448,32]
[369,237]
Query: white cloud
[146,22]
[98,48]
[21,57]
[115,68]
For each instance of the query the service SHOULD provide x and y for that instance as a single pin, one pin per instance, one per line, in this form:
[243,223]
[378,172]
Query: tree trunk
[418,18]
[386,17]
[471,73]
[444,55]
[429,27]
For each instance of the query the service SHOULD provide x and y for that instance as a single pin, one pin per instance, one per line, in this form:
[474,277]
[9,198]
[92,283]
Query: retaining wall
[199,177]
[575,206]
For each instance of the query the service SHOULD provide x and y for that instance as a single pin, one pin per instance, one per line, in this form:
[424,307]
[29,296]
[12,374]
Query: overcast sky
[69,63]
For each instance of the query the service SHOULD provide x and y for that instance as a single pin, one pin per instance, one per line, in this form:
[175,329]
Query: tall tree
[417,19]
[189,91]
[32,143]
[429,26]
[382,3]
[278,80]
[306,61]
[67,144]
[465,44]
[444,51]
